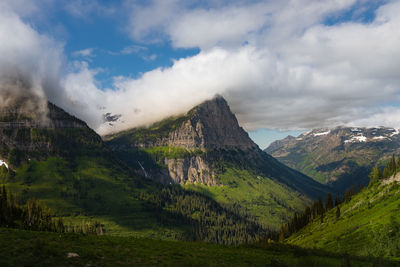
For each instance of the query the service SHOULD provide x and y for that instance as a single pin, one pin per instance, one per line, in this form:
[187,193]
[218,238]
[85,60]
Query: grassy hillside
[272,203]
[369,224]
[100,189]
[49,249]
[260,184]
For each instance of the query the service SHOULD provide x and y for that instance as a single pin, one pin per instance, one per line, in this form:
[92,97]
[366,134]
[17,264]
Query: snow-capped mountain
[339,157]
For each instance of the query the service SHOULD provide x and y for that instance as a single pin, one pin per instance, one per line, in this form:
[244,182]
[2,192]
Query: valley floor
[29,248]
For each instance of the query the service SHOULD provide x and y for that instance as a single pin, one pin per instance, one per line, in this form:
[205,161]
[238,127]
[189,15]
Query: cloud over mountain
[280,64]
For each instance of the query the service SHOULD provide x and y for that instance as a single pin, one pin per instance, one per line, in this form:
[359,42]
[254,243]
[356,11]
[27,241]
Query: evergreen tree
[338,200]
[392,165]
[329,202]
[398,163]
[386,172]
[375,175]
[337,212]
[320,207]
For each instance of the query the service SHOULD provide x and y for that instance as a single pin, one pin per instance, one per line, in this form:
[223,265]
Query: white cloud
[276,63]
[297,72]
[88,52]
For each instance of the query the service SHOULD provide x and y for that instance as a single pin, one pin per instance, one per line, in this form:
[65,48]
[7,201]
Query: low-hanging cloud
[277,63]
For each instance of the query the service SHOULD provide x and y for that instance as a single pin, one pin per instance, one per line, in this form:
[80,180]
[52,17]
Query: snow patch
[323,133]
[308,132]
[395,132]
[299,139]
[356,130]
[2,162]
[359,138]
[379,137]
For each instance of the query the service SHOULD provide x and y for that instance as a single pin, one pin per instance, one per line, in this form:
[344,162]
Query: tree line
[209,221]
[316,211]
[35,216]
[391,168]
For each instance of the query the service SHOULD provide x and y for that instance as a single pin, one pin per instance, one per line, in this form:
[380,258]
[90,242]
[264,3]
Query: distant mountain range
[207,151]
[340,157]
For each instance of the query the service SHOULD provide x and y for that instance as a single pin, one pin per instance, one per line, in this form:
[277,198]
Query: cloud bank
[278,63]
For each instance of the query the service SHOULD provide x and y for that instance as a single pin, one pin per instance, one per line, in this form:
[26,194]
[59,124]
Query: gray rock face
[190,170]
[211,125]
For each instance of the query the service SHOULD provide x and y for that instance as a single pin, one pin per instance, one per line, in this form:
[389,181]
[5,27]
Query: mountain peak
[209,125]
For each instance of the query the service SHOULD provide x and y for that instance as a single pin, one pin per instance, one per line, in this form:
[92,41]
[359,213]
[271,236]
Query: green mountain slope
[369,224]
[339,157]
[53,250]
[207,151]
[66,165]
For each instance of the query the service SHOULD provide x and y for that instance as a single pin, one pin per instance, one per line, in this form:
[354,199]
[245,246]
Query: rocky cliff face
[191,170]
[339,157]
[210,125]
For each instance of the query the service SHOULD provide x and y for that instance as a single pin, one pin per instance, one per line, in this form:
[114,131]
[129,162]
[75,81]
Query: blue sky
[283,66]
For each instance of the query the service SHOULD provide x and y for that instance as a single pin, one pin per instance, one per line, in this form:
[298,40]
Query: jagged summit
[210,125]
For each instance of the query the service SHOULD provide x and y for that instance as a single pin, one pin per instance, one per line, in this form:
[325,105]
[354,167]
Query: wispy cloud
[138,50]
[86,53]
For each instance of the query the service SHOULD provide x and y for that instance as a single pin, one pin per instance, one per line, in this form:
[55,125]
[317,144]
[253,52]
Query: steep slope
[206,150]
[57,159]
[339,157]
[369,224]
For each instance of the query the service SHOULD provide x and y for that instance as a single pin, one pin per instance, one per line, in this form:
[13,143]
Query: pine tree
[320,207]
[375,175]
[338,200]
[386,172]
[337,212]
[398,163]
[393,165]
[329,202]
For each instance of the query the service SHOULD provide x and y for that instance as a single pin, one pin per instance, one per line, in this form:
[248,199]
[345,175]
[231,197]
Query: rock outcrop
[191,170]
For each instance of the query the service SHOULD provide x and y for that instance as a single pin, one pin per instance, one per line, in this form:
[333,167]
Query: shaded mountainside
[368,224]
[339,157]
[25,137]
[59,160]
[206,150]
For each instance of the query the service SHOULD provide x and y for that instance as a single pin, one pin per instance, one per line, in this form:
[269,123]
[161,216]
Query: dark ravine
[340,157]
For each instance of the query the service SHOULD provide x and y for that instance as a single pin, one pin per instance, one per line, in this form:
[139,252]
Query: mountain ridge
[339,157]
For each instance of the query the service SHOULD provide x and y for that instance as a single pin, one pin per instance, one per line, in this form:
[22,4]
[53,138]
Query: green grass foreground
[29,248]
